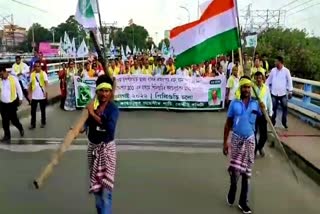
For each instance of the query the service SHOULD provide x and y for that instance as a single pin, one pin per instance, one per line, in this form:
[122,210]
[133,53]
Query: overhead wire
[313,5]
[303,3]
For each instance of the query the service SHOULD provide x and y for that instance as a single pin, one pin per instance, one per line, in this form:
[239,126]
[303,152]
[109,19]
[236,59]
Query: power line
[313,5]
[303,3]
[28,5]
[288,4]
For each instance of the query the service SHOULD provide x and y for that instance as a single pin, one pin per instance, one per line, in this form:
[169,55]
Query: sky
[156,15]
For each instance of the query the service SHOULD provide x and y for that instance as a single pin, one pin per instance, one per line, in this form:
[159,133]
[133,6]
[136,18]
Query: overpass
[169,162]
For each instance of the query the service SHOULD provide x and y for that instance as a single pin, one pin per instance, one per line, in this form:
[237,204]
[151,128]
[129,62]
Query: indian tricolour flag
[216,32]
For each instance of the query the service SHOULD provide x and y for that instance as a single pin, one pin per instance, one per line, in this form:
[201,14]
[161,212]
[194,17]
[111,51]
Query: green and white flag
[252,41]
[85,14]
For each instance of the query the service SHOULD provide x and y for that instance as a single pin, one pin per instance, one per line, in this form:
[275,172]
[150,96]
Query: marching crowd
[252,79]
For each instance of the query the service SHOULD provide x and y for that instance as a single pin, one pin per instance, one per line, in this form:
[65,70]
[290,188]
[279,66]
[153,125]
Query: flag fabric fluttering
[61,48]
[252,41]
[204,6]
[66,42]
[83,50]
[128,51]
[85,14]
[214,33]
[72,49]
[123,55]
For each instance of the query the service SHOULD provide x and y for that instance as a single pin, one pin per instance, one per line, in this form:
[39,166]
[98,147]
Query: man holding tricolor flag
[214,33]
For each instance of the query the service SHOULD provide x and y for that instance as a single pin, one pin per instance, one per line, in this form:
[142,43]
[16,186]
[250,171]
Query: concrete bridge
[169,162]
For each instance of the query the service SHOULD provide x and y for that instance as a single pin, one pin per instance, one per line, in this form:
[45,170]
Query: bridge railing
[306,99]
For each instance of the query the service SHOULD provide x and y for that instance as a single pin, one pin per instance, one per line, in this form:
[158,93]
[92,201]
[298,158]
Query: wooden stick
[69,138]
[274,132]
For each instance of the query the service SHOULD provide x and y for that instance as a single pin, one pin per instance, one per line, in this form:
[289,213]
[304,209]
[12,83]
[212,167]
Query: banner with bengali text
[159,92]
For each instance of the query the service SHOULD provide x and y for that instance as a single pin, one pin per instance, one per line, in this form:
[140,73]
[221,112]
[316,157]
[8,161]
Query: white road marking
[38,148]
[165,140]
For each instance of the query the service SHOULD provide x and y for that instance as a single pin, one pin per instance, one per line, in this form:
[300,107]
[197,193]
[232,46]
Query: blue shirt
[244,119]
[105,132]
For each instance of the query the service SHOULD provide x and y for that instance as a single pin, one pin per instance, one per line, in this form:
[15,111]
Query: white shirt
[25,69]
[280,81]
[232,87]
[38,94]
[267,101]
[6,90]
[183,72]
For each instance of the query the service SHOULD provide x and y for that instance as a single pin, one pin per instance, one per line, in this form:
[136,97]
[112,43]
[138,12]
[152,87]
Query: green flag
[85,14]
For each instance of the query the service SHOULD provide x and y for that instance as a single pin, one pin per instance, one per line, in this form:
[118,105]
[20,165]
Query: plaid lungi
[102,165]
[242,154]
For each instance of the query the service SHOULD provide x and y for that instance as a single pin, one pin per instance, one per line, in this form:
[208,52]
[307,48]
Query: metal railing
[306,98]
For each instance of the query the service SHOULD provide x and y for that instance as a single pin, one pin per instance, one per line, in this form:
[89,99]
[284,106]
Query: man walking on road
[11,98]
[102,121]
[241,119]
[261,123]
[280,83]
[38,91]
[21,71]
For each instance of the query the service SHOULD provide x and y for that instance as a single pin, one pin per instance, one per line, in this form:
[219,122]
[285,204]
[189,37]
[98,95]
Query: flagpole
[101,31]
[239,33]
[262,106]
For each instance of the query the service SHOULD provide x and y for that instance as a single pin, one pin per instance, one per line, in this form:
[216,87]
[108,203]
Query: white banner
[168,92]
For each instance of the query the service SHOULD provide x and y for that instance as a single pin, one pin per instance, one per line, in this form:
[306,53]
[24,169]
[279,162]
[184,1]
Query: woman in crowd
[88,72]
[70,103]
[63,85]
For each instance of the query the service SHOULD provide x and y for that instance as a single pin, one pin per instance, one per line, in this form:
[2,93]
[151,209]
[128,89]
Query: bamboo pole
[57,155]
[274,132]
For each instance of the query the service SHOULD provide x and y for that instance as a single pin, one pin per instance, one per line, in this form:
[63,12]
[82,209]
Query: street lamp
[52,31]
[186,9]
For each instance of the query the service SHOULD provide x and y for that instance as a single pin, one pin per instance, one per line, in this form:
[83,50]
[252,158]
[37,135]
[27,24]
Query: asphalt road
[149,179]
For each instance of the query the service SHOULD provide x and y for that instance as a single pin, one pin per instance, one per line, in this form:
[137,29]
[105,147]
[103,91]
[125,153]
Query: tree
[72,27]
[149,43]
[41,34]
[301,52]
[166,41]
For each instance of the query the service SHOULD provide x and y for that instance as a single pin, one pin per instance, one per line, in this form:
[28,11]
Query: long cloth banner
[163,92]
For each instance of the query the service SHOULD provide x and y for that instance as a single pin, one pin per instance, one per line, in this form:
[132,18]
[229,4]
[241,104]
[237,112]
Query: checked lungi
[242,154]
[102,165]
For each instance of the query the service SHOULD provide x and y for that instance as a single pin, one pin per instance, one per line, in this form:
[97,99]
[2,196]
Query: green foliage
[166,41]
[72,27]
[301,53]
[41,34]
[134,35]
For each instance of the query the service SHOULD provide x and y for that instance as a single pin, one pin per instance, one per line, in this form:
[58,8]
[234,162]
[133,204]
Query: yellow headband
[242,82]
[104,86]
[99,87]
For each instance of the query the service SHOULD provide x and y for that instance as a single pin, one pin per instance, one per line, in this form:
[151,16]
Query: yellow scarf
[18,68]
[13,90]
[263,91]
[33,80]
[242,82]
[71,72]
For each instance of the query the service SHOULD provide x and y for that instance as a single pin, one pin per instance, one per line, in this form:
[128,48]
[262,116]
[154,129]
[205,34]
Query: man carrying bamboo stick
[241,120]
[103,117]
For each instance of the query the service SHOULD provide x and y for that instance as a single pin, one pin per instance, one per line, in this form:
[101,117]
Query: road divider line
[39,148]
[128,140]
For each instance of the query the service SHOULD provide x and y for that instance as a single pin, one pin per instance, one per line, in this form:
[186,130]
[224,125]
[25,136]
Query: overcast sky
[155,15]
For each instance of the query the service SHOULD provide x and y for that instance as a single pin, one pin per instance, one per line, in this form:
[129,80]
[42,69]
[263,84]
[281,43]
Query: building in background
[12,36]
